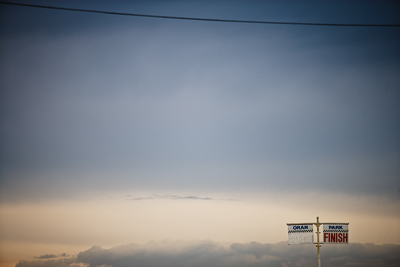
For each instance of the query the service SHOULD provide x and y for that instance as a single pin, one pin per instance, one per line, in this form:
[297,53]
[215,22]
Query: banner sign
[336,233]
[300,234]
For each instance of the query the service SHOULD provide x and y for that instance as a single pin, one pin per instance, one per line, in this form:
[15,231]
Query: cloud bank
[209,253]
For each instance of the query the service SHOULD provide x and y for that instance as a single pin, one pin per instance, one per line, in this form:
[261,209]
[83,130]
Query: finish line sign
[303,233]
[336,233]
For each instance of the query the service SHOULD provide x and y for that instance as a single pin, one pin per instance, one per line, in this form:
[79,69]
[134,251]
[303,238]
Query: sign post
[303,233]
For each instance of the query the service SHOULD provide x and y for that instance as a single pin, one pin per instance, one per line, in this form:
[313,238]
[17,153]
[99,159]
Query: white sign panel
[300,234]
[336,233]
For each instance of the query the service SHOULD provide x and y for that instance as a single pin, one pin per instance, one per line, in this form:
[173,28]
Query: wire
[201,19]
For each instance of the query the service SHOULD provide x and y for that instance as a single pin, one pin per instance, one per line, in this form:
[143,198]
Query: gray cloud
[208,253]
[70,262]
[173,197]
[46,256]
[51,256]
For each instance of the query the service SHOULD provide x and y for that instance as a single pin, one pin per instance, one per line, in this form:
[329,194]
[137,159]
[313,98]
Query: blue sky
[97,107]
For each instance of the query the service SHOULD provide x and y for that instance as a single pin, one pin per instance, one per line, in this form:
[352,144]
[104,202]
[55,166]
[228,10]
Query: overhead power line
[200,19]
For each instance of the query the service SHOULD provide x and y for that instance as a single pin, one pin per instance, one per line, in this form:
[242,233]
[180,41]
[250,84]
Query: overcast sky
[175,129]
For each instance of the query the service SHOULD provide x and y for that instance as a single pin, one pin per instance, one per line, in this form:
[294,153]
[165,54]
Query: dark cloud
[51,256]
[46,256]
[208,253]
[173,197]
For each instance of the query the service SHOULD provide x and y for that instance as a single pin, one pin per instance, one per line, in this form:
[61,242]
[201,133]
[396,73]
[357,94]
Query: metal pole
[318,245]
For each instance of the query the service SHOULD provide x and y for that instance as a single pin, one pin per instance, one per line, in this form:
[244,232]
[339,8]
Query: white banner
[336,233]
[300,234]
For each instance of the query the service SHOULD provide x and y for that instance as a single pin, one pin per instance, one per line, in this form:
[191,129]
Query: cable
[201,19]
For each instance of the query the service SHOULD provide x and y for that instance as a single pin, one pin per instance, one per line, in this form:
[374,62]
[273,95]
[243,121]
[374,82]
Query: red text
[336,238]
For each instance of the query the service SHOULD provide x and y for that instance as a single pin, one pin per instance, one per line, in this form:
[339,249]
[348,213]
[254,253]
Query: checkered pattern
[300,231]
[336,231]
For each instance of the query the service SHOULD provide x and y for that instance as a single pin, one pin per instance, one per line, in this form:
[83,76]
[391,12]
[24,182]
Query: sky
[128,135]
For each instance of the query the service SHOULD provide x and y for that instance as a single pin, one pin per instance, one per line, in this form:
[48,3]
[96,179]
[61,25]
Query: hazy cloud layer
[208,253]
